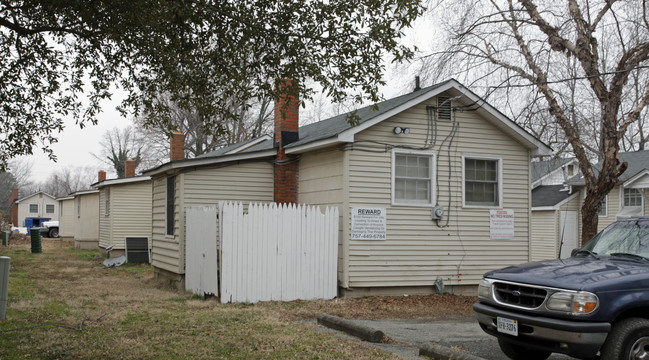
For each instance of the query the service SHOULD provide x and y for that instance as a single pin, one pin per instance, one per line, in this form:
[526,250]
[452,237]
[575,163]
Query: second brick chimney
[101,176]
[287,108]
[129,168]
[177,149]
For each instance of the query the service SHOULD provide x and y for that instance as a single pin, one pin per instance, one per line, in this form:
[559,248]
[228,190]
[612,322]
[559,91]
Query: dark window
[49,208]
[33,208]
[171,202]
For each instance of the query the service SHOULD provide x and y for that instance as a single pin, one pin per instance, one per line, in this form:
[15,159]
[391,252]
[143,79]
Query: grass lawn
[61,307]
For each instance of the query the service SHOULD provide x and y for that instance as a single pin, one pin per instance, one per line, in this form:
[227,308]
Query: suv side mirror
[574,251]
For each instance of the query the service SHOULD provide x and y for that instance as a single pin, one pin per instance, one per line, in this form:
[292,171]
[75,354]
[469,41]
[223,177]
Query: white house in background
[38,205]
[432,187]
[553,171]
[66,217]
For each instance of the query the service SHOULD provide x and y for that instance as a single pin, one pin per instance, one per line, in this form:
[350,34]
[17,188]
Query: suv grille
[519,295]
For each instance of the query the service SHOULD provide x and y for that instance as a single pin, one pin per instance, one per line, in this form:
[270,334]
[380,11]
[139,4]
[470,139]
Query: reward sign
[368,224]
[501,224]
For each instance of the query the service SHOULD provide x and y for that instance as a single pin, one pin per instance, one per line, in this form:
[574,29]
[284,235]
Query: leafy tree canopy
[62,57]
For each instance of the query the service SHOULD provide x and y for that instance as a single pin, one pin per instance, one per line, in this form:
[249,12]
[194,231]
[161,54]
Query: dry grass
[61,307]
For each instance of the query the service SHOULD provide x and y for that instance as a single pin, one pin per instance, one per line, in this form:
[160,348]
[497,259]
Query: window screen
[481,182]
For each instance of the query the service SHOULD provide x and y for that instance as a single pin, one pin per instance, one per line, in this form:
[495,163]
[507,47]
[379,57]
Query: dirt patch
[385,307]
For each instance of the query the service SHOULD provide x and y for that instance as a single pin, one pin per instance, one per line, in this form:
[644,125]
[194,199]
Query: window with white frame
[603,211]
[632,198]
[49,208]
[481,181]
[413,176]
[33,208]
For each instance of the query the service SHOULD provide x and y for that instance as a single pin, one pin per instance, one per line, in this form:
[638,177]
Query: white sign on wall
[501,224]
[368,224]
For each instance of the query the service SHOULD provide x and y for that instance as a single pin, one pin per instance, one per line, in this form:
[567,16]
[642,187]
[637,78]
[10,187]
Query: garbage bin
[5,238]
[35,234]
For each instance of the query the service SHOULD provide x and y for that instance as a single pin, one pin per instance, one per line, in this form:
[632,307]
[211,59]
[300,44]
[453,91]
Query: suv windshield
[629,237]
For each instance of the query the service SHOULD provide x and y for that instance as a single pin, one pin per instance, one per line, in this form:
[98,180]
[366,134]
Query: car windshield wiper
[629,255]
[587,252]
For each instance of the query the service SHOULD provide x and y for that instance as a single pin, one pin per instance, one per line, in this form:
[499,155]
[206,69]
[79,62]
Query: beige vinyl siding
[544,230]
[417,251]
[105,222]
[245,182]
[129,213]
[130,210]
[66,218]
[164,249]
[321,183]
[86,223]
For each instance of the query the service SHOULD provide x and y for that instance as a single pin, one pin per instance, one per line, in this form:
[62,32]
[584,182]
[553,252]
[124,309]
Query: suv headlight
[577,303]
[484,289]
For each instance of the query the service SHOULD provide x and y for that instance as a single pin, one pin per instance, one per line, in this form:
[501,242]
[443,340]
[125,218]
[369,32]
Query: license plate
[508,326]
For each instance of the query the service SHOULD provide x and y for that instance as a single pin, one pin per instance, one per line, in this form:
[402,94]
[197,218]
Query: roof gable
[32,195]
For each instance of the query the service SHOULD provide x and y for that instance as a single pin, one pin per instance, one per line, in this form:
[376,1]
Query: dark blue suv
[592,305]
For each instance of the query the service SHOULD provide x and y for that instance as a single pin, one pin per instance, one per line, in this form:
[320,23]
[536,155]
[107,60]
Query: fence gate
[201,265]
[273,252]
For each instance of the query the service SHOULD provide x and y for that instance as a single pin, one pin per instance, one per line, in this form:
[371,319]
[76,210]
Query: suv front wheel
[53,233]
[628,340]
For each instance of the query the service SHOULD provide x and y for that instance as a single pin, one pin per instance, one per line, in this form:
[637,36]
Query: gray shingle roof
[549,195]
[637,161]
[333,126]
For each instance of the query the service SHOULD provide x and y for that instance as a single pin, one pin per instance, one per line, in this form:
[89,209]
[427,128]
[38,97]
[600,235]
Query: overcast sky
[76,146]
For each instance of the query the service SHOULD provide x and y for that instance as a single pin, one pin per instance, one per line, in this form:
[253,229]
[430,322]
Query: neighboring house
[555,222]
[437,148]
[124,209]
[554,209]
[38,205]
[554,171]
[66,217]
[86,219]
[629,197]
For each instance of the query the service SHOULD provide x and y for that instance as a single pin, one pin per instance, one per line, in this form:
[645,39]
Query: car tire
[518,352]
[629,339]
[53,233]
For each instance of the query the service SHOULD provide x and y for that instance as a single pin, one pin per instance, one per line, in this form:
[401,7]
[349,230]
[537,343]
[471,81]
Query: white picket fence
[272,252]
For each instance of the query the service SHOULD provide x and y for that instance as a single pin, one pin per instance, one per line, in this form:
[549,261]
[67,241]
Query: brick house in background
[13,207]
[436,148]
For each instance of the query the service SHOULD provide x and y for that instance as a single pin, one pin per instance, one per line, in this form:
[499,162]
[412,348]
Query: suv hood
[585,273]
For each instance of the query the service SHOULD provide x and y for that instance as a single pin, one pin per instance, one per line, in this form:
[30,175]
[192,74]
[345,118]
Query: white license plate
[508,326]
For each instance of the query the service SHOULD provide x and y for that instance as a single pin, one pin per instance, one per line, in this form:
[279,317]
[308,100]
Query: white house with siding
[628,198]
[438,148]
[124,211]
[40,204]
[66,217]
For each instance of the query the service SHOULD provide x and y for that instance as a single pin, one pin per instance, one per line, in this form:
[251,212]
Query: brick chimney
[129,168]
[177,149]
[101,176]
[286,114]
[13,207]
